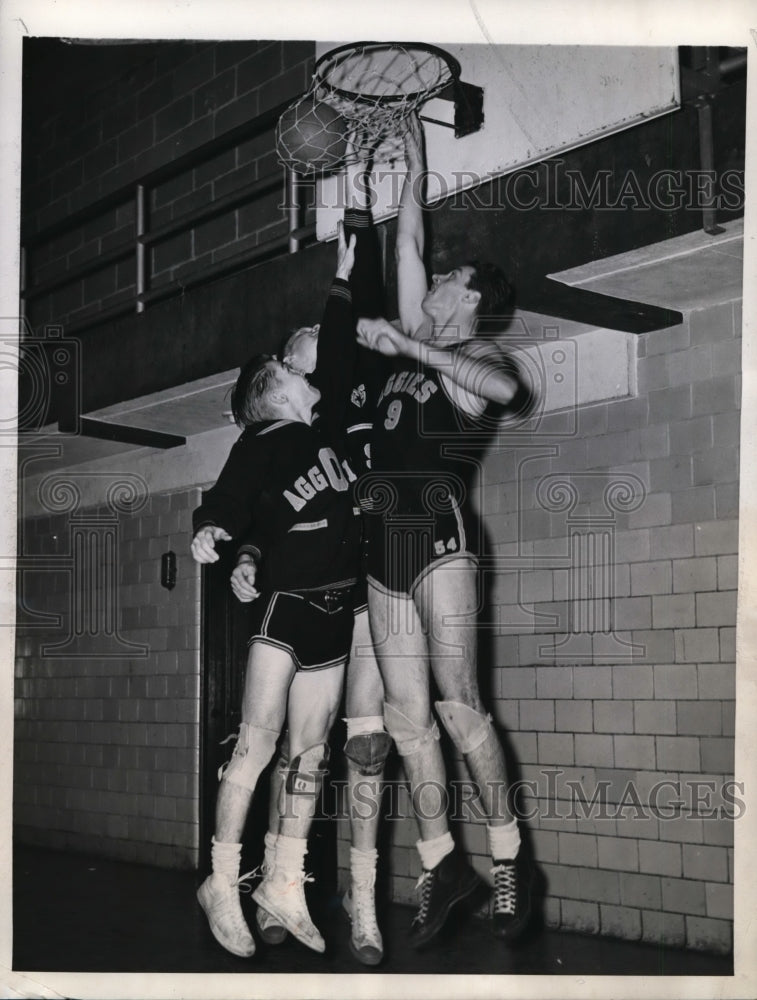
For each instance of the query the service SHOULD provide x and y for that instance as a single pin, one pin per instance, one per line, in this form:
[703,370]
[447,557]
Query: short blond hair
[249,397]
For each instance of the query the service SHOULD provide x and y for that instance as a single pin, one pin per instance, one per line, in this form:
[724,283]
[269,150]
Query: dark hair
[248,397]
[495,290]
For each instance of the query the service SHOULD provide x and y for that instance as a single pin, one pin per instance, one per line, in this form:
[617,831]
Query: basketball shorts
[360,598]
[403,549]
[313,626]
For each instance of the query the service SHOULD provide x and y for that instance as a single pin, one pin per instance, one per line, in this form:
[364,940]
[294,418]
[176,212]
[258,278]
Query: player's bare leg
[314,699]
[448,602]
[402,651]
[267,678]
[366,750]
[269,928]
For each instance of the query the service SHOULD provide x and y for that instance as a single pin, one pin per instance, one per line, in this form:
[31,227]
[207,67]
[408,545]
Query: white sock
[362,863]
[504,841]
[290,853]
[225,858]
[363,724]
[432,851]
[269,860]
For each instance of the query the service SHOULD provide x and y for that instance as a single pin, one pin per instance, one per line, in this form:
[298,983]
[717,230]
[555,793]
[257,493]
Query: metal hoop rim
[343,50]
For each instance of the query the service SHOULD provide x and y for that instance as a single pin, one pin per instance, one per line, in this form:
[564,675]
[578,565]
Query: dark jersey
[419,432]
[288,487]
[284,476]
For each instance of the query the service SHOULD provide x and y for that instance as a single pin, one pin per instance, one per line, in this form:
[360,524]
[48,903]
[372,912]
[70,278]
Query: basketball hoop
[374,86]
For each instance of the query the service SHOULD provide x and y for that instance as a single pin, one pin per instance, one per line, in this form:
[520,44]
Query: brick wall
[167,104]
[622,737]
[107,724]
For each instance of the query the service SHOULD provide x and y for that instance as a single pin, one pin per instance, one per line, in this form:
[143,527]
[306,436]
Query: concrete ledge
[573,364]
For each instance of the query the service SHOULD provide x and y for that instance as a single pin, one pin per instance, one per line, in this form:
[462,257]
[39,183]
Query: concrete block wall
[106,748]
[614,684]
[166,105]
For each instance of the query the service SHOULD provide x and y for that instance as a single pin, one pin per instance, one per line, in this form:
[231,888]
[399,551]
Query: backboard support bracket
[468,100]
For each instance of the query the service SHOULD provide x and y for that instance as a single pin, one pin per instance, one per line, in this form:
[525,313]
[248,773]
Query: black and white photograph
[378,518]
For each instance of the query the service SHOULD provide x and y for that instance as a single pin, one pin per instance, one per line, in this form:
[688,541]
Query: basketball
[311,137]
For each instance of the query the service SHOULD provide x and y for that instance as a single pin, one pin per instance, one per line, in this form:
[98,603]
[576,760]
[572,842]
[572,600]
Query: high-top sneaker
[219,897]
[282,893]
[366,943]
[269,927]
[450,882]
[512,896]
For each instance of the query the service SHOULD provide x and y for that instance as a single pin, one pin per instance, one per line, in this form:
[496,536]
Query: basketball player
[422,569]
[289,475]
[343,370]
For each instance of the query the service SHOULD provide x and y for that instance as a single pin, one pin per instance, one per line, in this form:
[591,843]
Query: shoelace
[425,883]
[243,882]
[229,904]
[505,889]
[364,908]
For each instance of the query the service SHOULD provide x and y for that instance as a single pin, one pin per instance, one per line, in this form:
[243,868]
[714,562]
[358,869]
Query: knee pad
[284,747]
[306,771]
[368,752]
[467,728]
[282,762]
[254,748]
[409,738]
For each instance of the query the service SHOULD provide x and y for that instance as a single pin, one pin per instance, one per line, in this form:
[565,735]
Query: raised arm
[480,371]
[333,370]
[366,280]
[411,272]
[341,364]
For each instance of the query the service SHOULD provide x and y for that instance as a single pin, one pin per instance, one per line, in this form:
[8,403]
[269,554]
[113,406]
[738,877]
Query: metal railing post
[293,202]
[141,277]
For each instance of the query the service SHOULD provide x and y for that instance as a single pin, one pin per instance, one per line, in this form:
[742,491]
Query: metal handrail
[144,238]
[183,162]
[212,210]
[264,251]
[102,260]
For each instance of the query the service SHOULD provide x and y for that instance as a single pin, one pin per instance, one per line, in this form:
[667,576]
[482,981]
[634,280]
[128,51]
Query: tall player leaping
[422,568]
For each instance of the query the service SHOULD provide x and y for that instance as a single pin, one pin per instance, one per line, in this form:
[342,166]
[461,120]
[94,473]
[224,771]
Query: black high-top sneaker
[442,887]
[512,896]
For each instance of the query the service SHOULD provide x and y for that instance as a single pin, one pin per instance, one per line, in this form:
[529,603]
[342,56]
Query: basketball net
[374,86]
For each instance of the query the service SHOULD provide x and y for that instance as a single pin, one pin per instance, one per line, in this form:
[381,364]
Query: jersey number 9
[393,414]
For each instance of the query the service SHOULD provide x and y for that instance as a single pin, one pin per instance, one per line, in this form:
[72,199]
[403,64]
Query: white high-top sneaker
[366,943]
[282,893]
[271,931]
[219,898]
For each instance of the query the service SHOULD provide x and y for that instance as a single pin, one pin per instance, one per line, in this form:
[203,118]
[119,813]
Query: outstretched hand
[379,335]
[243,582]
[204,543]
[345,254]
